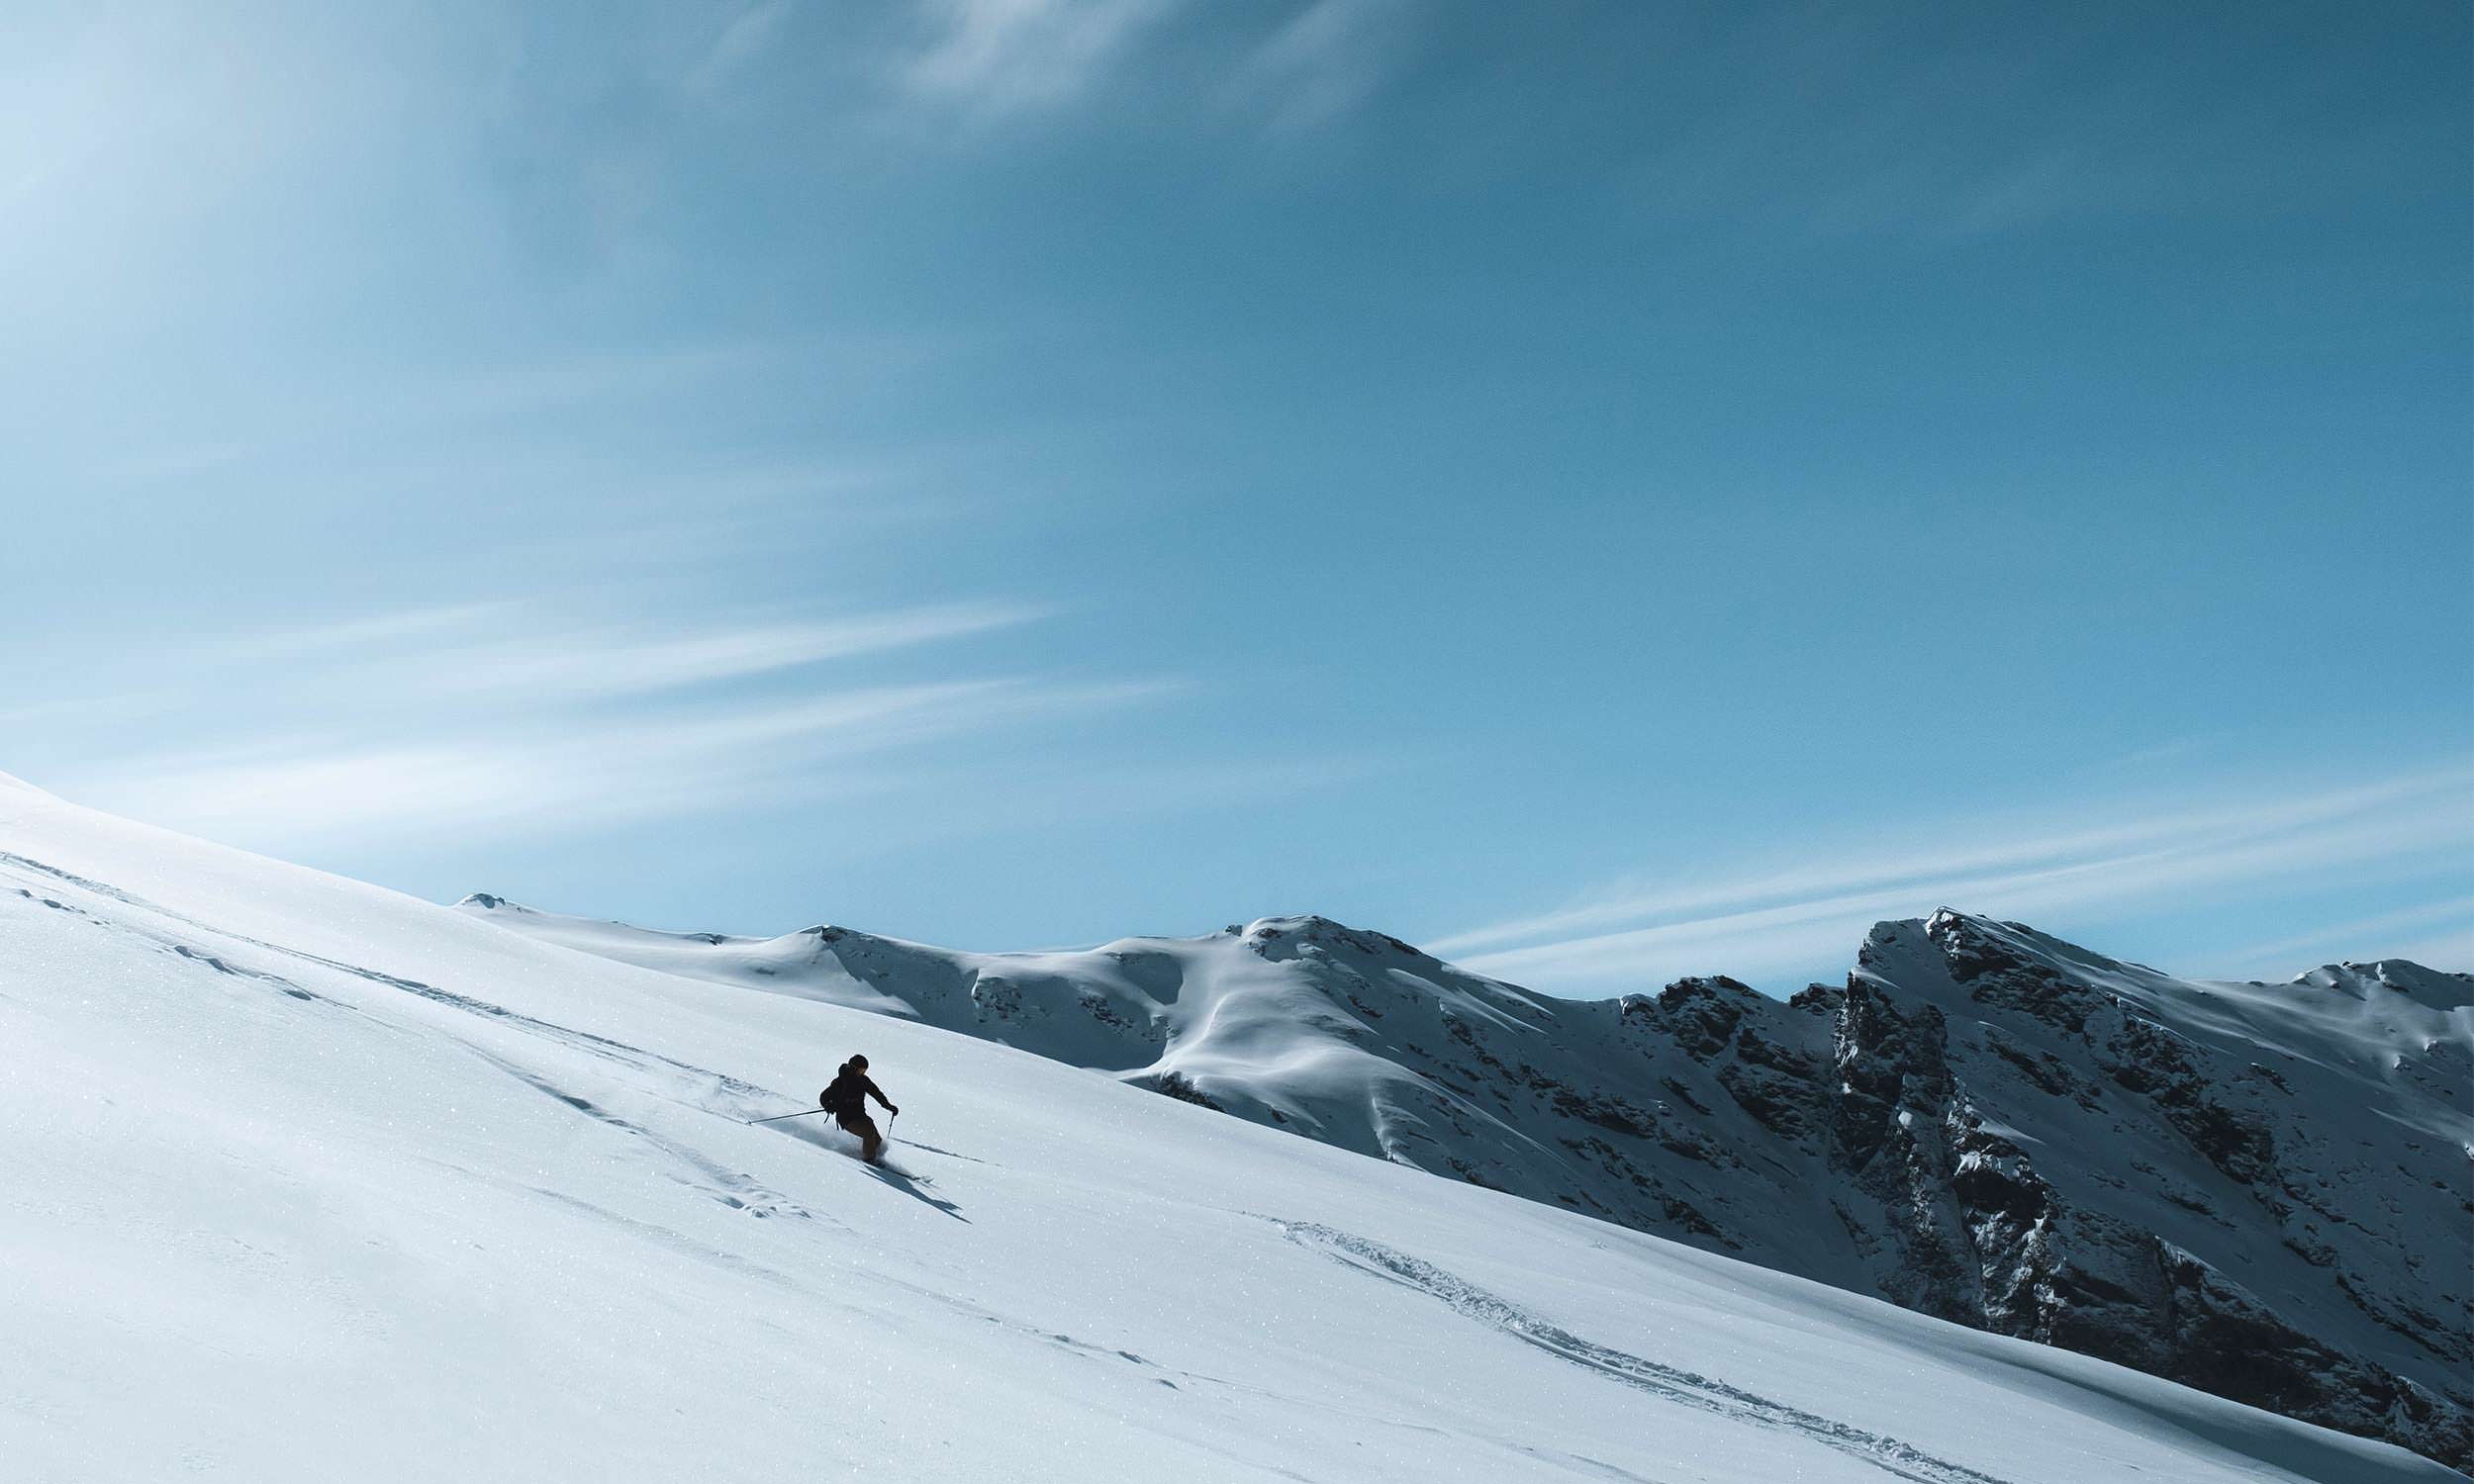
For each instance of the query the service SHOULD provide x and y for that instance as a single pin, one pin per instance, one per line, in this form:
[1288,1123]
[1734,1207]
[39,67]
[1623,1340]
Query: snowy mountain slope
[2262,1189]
[2256,1190]
[311,1180]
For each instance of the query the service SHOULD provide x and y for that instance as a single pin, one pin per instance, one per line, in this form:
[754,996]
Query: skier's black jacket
[847,1097]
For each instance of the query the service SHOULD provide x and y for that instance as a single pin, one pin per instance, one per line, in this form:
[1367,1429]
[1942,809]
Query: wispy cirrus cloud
[1005,55]
[479,648]
[1839,125]
[1326,60]
[354,632]
[745,37]
[2437,933]
[580,775]
[1315,62]
[1767,922]
[491,716]
[1987,853]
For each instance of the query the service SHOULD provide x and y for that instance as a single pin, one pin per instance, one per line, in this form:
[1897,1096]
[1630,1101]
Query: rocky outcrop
[2259,1190]
[2134,1182]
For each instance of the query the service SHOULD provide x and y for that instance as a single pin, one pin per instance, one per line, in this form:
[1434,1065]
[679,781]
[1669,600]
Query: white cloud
[622,663]
[359,632]
[477,649]
[1325,62]
[1759,923]
[2452,950]
[1005,55]
[1009,57]
[2376,936]
[1829,125]
[315,796]
[487,718]
[573,772]
[746,37]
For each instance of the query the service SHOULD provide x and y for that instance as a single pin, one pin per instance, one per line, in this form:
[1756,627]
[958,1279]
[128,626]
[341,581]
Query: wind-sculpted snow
[308,1181]
[2258,1190]
[1664,1381]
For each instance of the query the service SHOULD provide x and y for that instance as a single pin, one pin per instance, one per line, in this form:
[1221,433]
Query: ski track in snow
[586,1040]
[684,1246]
[741,1192]
[648,1083]
[734,1188]
[1681,1386]
[2058,1111]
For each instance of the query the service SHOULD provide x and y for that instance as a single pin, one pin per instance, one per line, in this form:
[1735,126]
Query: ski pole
[778,1117]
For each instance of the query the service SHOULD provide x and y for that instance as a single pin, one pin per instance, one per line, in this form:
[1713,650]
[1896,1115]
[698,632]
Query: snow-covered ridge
[336,1183]
[2258,1190]
[344,1185]
[2429,988]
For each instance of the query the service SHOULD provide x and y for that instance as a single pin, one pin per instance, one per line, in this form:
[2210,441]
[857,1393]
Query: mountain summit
[2256,1190]
[346,1183]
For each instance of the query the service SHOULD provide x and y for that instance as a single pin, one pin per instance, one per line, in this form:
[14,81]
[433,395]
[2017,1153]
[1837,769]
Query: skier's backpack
[841,1099]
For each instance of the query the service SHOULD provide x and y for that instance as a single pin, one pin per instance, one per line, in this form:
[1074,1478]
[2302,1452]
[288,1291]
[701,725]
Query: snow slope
[309,1180]
[2256,1190]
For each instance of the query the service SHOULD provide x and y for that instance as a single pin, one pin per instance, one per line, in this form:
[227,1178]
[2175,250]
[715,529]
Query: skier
[847,1101]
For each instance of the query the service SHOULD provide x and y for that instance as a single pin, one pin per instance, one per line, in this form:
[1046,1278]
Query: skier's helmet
[859,1062]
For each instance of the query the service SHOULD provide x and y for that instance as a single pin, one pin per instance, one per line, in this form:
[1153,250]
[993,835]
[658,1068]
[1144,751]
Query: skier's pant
[869,1141]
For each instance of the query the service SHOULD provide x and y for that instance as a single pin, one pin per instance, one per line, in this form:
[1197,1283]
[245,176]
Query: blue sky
[1608,492]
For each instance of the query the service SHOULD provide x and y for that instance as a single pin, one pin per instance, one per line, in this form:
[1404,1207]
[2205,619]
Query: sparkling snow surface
[307,1181]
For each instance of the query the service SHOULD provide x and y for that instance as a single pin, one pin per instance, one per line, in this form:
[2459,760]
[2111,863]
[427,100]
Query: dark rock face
[2001,1130]
[1175,1084]
[2259,1191]
[2149,1114]
[1995,1128]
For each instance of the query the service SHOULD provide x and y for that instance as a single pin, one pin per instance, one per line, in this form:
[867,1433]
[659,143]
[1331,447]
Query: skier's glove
[892,1112]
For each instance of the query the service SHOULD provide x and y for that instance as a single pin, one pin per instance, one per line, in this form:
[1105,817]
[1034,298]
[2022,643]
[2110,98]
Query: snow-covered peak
[1965,947]
[1987,1123]
[2431,988]
[309,1164]
[1327,932]
[482,901]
